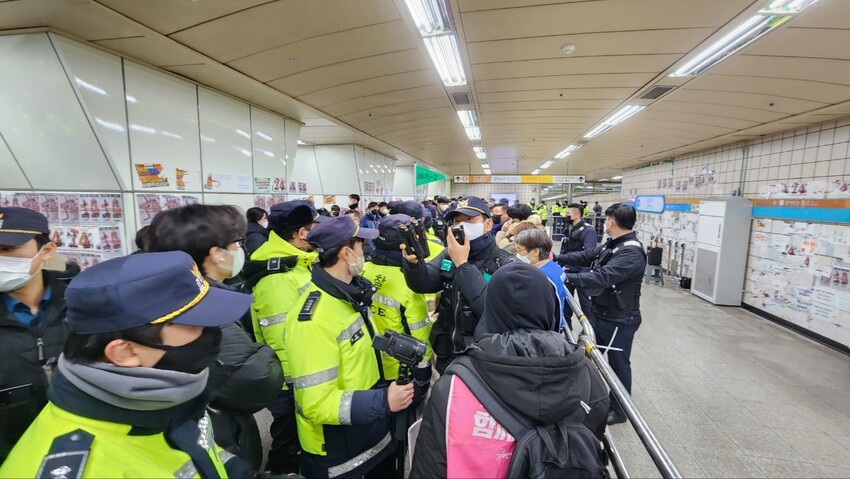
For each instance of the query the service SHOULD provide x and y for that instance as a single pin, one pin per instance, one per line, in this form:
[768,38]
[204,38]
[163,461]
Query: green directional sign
[425,176]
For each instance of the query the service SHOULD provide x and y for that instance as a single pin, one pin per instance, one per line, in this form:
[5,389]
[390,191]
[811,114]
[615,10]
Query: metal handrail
[587,340]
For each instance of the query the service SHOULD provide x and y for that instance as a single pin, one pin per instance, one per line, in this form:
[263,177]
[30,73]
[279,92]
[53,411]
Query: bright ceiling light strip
[616,177]
[473,133]
[773,15]
[468,118]
[535,172]
[302,142]
[445,54]
[431,16]
[567,151]
[547,164]
[480,152]
[622,115]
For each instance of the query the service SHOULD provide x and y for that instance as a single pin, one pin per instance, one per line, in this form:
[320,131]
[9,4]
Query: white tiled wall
[787,259]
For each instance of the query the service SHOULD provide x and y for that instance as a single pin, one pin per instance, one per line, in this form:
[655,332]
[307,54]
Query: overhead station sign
[650,204]
[520,179]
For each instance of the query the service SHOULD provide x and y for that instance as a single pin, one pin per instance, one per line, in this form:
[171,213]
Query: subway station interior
[724,123]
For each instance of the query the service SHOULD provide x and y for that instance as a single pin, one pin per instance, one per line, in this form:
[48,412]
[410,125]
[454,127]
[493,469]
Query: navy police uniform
[579,237]
[613,282]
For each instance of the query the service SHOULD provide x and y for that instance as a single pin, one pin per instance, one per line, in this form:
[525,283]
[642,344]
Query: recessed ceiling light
[568,49]
[616,177]
[622,115]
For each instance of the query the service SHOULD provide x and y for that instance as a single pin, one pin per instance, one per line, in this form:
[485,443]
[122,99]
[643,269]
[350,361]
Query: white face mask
[472,231]
[238,257]
[357,268]
[263,223]
[443,207]
[14,272]
[523,259]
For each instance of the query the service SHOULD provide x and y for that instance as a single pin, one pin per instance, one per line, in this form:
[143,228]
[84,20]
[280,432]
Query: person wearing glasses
[246,376]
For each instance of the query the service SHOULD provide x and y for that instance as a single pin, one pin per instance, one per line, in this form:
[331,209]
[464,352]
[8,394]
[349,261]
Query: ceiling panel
[372,86]
[612,80]
[806,43]
[400,108]
[587,106]
[557,95]
[794,68]
[384,99]
[749,100]
[280,23]
[350,71]
[778,87]
[598,16]
[575,66]
[166,16]
[589,45]
[325,50]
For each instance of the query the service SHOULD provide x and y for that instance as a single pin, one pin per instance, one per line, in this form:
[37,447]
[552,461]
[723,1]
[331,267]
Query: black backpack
[567,449]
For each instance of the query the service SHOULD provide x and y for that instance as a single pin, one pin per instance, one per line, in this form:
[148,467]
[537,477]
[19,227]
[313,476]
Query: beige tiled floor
[730,394]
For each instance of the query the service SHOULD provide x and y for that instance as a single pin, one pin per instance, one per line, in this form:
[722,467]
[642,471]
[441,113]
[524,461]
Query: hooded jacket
[255,237]
[538,375]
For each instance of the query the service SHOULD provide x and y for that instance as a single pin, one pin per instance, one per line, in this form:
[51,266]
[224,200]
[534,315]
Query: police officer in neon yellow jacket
[290,257]
[127,395]
[394,306]
[342,398]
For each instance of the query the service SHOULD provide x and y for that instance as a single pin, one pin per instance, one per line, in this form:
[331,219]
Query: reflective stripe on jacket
[275,295]
[114,452]
[397,308]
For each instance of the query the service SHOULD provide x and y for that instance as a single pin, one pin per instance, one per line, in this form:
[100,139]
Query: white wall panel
[293,131]
[12,178]
[404,181]
[163,114]
[337,168]
[304,172]
[269,141]
[43,122]
[225,143]
[99,81]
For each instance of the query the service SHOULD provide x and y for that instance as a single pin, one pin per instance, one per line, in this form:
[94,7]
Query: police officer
[127,396]
[613,282]
[280,268]
[440,225]
[543,212]
[342,399]
[461,273]
[394,306]
[579,236]
[32,307]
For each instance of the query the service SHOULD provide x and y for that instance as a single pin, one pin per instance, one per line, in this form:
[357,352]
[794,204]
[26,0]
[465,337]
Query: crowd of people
[337,321]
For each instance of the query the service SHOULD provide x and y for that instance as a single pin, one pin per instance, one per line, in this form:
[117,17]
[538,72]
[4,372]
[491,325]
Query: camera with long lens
[408,350]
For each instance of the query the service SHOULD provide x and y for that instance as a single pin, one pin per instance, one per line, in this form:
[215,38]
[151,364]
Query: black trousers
[619,360]
[285,451]
[583,301]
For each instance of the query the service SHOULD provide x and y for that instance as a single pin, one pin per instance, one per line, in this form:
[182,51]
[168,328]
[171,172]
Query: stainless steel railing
[587,340]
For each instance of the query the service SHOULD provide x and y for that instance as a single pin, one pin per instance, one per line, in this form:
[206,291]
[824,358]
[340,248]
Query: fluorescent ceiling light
[771,16]
[567,151]
[616,177]
[786,7]
[468,118]
[485,165]
[480,152]
[302,142]
[445,54]
[486,171]
[535,172]
[431,16]
[605,179]
[473,133]
[622,115]
[264,136]
[547,164]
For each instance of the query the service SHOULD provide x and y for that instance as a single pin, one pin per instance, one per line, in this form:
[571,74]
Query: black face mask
[352,206]
[374,212]
[192,357]
[497,219]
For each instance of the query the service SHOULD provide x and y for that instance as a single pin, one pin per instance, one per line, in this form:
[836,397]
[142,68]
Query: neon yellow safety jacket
[543,212]
[275,294]
[62,444]
[340,400]
[395,307]
[556,209]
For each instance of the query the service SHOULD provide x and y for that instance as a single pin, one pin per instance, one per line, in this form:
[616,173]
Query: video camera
[408,350]
[413,238]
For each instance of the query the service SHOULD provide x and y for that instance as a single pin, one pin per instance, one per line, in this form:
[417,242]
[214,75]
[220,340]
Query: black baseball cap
[442,199]
[469,206]
[334,232]
[148,288]
[294,214]
[19,225]
[411,208]
[389,237]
